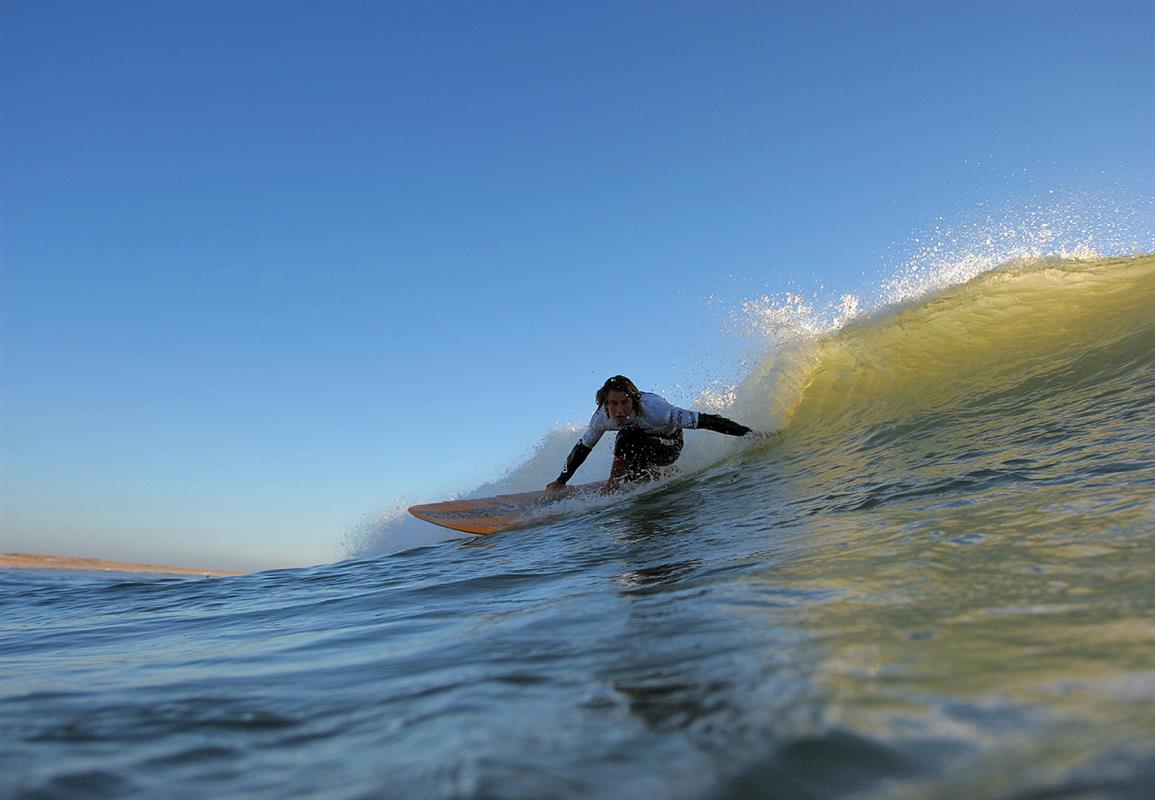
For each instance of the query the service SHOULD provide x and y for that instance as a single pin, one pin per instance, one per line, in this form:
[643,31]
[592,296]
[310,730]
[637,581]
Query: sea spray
[1082,225]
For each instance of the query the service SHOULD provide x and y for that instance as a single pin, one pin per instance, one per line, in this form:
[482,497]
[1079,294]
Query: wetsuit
[651,437]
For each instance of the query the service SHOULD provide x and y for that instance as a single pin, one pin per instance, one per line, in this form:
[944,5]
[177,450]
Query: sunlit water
[938,583]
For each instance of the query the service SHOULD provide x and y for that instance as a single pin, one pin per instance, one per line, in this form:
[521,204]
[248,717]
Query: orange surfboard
[505,512]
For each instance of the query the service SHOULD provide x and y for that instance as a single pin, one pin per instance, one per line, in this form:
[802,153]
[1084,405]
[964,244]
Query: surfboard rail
[484,516]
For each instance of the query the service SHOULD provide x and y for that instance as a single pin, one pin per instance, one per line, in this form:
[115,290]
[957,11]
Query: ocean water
[939,582]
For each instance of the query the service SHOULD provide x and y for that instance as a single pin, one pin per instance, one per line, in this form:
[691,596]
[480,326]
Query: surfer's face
[618,406]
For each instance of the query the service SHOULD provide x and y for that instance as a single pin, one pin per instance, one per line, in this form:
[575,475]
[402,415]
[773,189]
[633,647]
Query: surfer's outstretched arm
[719,424]
[575,459]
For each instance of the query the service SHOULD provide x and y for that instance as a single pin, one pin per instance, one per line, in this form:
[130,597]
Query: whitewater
[937,582]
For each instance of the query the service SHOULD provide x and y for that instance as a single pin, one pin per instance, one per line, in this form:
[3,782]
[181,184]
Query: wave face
[1030,340]
[936,583]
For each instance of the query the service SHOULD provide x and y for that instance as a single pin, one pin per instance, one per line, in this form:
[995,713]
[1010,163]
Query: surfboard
[505,512]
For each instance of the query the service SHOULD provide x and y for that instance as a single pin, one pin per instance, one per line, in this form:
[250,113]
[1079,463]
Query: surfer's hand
[761,436]
[556,486]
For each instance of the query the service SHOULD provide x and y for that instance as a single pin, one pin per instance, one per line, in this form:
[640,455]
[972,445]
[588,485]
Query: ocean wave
[826,373]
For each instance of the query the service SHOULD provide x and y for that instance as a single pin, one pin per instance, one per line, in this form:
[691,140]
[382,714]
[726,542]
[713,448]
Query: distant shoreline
[35,561]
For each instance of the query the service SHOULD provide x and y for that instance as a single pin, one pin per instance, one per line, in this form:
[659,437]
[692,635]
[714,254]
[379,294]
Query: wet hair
[620,383]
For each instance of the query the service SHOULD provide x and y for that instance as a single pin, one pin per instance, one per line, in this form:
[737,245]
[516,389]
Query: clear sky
[271,267]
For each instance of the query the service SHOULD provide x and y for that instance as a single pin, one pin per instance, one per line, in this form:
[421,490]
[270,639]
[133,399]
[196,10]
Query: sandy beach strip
[35,561]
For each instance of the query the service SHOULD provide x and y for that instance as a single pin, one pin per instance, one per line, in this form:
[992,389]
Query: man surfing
[649,433]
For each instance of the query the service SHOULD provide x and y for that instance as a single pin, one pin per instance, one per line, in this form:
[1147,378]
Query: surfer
[649,433]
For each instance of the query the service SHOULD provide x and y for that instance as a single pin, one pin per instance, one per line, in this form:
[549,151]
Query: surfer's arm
[575,459]
[718,424]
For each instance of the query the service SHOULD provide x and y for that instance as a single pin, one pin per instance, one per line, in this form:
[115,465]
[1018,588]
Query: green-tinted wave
[1004,333]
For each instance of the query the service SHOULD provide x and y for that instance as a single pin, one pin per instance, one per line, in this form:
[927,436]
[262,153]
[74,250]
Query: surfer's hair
[620,383]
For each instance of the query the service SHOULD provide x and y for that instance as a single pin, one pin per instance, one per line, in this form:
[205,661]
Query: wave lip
[1003,329]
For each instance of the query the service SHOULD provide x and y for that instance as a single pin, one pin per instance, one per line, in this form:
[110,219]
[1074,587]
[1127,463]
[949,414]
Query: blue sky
[270,268]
